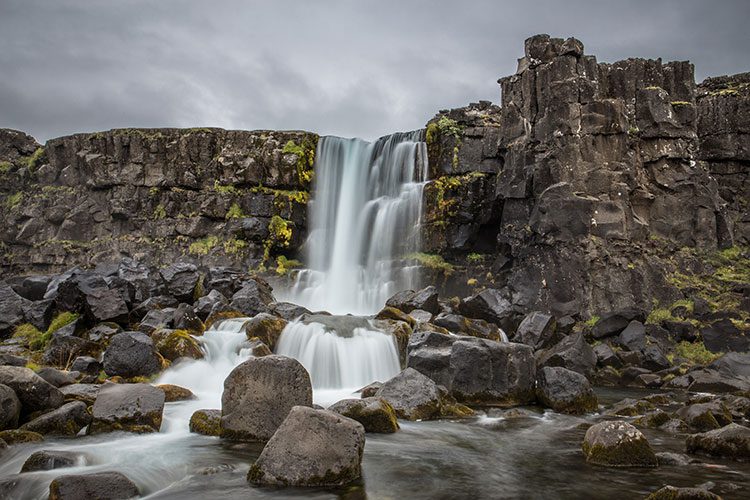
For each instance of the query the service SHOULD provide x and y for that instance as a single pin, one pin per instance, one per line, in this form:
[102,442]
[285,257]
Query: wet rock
[375,414]
[33,391]
[289,311]
[458,324]
[131,354]
[18,436]
[49,460]
[68,420]
[56,377]
[425,299]
[572,353]
[86,365]
[705,416]
[605,356]
[393,314]
[537,330]
[668,458]
[633,337]
[95,486]
[708,380]
[253,298]
[257,348]
[731,441]
[652,419]
[10,408]
[205,304]
[181,279]
[156,320]
[185,318]
[174,393]
[631,407]
[414,396]
[489,305]
[369,391]
[127,407]
[258,395]
[174,344]
[206,422]
[674,493]
[81,392]
[565,391]
[617,444]
[421,316]
[265,327]
[311,448]
[475,370]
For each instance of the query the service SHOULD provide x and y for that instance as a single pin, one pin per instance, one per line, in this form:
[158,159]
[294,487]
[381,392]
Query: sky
[335,67]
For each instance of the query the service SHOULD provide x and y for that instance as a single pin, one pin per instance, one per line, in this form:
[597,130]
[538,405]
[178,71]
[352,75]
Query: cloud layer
[337,67]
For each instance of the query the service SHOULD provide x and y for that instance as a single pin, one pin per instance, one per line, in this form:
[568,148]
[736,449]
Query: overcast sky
[349,68]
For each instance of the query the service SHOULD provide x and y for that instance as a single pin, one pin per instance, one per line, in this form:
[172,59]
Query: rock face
[127,407]
[258,395]
[731,441]
[565,391]
[617,444]
[131,354]
[375,414]
[311,448]
[96,486]
[475,370]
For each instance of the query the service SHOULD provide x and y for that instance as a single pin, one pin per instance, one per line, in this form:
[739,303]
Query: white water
[342,354]
[364,215]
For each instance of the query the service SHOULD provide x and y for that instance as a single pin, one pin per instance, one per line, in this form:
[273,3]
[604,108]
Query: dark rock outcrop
[131,354]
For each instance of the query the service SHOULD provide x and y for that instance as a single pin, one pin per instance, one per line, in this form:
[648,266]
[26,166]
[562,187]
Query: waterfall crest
[365,213]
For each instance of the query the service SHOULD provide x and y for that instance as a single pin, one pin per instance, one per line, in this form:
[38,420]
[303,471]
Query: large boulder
[613,323]
[10,408]
[538,330]
[265,327]
[311,448]
[375,414]
[490,305]
[565,391]
[48,460]
[258,395]
[617,444]
[572,352]
[95,486]
[733,364]
[11,310]
[425,299]
[174,344]
[475,370]
[68,420]
[731,441]
[58,378]
[131,354]
[33,391]
[415,396]
[81,392]
[253,298]
[127,407]
[181,280]
[89,293]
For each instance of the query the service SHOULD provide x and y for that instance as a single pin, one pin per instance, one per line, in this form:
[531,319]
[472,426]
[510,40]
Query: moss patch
[432,261]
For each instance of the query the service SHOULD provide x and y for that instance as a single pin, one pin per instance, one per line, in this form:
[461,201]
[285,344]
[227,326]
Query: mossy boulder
[652,419]
[617,444]
[631,408]
[265,327]
[206,422]
[375,414]
[174,393]
[17,436]
[67,420]
[217,317]
[565,391]
[173,344]
[704,417]
[731,441]
[673,493]
[48,460]
[395,314]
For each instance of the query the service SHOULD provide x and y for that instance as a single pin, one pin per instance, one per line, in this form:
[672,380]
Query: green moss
[154,191]
[226,188]
[680,103]
[202,422]
[61,320]
[592,321]
[475,258]
[284,198]
[279,236]
[235,212]
[658,315]
[233,246]
[37,340]
[5,167]
[204,246]
[305,154]
[432,261]
[32,162]
[696,353]
[633,130]
[160,212]
[284,265]
[13,200]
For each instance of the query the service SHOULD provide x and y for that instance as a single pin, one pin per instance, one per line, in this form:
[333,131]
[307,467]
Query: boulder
[18,436]
[174,344]
[86,365]
[11,310]
[103,333]
[288,311]
[731,441]
[369,390]
[89,293]
[633,337]
[606,356]
[127,407]
[33,391]
[56,377]
[617,444]
[10,408]
[375,414]
[733,364]
[489,305]
[253,298]
[205,304]
[704,417]
[48,460]
[538,330]
[265,327]
[572,353]
[131,354]
[458,324]
[674,493]
[258,395]
[94,486]
[613,323]
[724,336]
[11,360]
[425,299]
[206,422]
[64,347]
[181,280]
[81,392]
[68,420]
[414,396]
[185,318]
[565,391]
[311,448]
[174,393]
[157,319]
[475,370]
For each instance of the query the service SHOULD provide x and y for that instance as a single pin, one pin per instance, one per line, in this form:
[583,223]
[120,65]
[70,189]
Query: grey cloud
[335,67]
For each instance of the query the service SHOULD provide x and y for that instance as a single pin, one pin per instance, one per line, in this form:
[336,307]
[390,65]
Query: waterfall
[364,215]
[341,353]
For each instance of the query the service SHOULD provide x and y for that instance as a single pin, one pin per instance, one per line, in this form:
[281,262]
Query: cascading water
[364,216]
